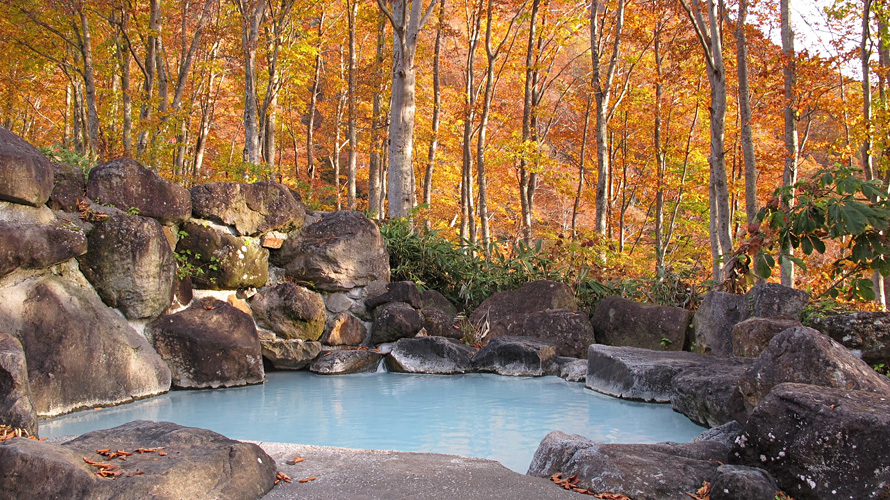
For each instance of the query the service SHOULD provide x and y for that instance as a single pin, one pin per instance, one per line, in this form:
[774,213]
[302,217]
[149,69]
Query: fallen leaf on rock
[281,476]
[295,461]
[612,496]
[137,473]
[306,480]
[703,493]
[162,453]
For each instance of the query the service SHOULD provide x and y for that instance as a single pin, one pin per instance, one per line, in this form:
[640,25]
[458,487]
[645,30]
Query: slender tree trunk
[313,101]
[352,10]
[865,59]
[437,105]
[467,214]
[791,152]
[745,111]
[149,71]
[122,51]
[252,14]
[89,80]
[710,36]
[526,177]
[407,22]
[375,163]
[576,206]
[660,158]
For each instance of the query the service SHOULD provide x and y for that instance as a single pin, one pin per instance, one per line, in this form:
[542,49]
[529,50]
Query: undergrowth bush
[467,277]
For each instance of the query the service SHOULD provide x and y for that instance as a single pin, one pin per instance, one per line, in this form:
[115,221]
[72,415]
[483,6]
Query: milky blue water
[476,415]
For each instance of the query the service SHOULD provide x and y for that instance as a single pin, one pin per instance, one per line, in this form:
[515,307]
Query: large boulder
[16,409]
[210,344]
[750,337]
[740,482]
[719,312]
[290,354]
[820,442]
[221,260]
[131,265]
[186,462]
[536,296]
[709,395]
[570,332]
[251,208]
[341,251]
[33,246]
[803,355]
[342,362]
[289,310]
[647,375]
[435,300]
[867,332]
[397,291]
[26,175]
[345,329]
[394,321]
[639,471]
[516,356]
[125,184]
[622,322]
[80,352]
[430,355]
[438,323]
[69,187]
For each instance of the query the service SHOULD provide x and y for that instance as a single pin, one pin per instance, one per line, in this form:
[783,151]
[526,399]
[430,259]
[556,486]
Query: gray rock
[719,312]
[69,187]
[210,344]
[430,355]
[868,332]
[435,300]
[80,352]
[725,434]
[16,409]
[341,251]
[346,361]
[398,291]
[345,329]
[804,355]
[131,265]
[640,471]
[570,332]
[709,395]
[535,296]
[621,322]
[714,319]
[290,354]
[251,208]
[738,482]
[515,356]
[820,442]
[240,262]
[125,184]
[394,321]
[438,323]
[337,302]
[573,370]
[198,464]
[643,374]
[289,310]
[32,246]
[26,175]
[750,337]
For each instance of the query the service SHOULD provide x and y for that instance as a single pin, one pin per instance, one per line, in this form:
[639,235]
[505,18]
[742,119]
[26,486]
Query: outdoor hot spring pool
[475,415]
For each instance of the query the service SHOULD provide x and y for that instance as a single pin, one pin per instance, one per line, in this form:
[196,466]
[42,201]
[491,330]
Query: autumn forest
[644,137]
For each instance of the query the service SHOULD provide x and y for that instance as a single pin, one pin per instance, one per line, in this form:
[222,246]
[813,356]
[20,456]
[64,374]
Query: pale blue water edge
[475,415]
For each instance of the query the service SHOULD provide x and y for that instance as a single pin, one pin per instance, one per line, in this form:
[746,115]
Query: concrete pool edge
[346,473]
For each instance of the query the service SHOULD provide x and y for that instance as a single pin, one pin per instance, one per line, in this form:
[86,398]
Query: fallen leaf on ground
[306,480]
[295,461]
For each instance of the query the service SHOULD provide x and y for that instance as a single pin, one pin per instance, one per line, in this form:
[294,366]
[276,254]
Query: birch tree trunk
[791,152]
[467,213]
[526,177]
[352,10]
[710,37]
[252,14]
[375,163]
[407,19]
[865,59]
[313,100]
[602,89]
[89,81]
[745,111]
[437,105]
[149,71]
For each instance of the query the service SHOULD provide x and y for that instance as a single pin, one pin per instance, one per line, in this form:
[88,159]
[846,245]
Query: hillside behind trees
[615,131]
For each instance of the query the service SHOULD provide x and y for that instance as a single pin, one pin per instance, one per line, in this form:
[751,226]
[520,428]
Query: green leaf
[763,264]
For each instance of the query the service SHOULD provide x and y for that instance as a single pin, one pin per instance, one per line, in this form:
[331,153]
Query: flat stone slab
[643,374]
[347,474]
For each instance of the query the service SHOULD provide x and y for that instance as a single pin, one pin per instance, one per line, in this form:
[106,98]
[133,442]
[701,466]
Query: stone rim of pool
[490,417]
